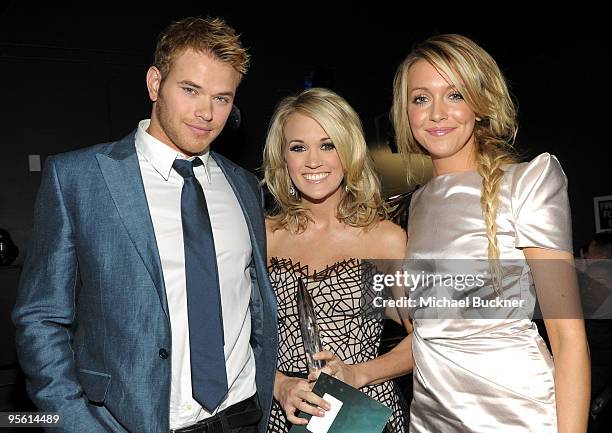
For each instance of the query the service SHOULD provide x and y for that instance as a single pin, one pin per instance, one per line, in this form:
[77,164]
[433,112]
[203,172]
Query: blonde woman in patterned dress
[330,216]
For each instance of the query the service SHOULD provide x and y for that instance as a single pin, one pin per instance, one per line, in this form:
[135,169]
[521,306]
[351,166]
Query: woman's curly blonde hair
[361,204]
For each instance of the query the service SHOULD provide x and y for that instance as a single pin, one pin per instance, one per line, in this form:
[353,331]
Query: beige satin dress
[486,375]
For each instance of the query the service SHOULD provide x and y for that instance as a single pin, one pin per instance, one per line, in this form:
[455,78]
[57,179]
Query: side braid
[491,156]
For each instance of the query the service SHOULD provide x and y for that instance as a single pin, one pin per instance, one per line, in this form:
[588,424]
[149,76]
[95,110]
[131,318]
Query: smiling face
[312,160]
[193,102]
[440,119]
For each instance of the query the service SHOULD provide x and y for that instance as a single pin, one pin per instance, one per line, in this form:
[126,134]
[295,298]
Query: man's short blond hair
[207,35]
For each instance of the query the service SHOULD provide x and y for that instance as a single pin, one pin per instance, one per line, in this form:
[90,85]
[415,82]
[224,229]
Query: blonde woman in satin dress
[451,102]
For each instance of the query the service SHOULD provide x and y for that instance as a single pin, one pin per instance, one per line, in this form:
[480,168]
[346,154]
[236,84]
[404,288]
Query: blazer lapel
[250,208]
[121,172]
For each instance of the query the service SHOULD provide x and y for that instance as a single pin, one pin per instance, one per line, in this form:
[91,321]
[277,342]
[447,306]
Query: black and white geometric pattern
[344,326]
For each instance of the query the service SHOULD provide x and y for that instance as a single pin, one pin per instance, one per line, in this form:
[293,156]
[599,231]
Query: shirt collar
[160,155]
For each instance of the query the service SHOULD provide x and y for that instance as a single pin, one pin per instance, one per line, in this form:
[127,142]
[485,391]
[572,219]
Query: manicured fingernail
[321,413]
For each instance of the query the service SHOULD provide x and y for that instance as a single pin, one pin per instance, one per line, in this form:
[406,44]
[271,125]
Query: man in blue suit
[145,304]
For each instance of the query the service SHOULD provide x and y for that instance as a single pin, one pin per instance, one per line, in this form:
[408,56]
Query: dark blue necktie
[208,374]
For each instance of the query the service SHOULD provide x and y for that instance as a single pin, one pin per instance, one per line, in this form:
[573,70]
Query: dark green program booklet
[352,410]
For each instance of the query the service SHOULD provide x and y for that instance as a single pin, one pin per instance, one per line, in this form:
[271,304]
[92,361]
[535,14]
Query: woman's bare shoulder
[387,240]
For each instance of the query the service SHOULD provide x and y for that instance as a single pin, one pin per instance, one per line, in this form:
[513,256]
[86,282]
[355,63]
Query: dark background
[73,81]
[69,81]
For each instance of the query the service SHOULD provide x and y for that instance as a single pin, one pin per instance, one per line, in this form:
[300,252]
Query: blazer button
[163,353]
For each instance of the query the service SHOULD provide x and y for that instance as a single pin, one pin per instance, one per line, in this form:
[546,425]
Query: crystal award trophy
[308,326]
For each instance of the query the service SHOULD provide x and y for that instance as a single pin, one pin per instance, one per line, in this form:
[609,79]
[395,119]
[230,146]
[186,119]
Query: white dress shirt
[163,186]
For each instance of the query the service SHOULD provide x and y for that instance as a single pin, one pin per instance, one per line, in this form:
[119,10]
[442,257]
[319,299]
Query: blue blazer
[93,329]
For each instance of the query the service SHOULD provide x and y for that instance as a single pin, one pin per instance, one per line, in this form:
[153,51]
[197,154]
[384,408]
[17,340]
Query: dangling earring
[346,188]
[292,191]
